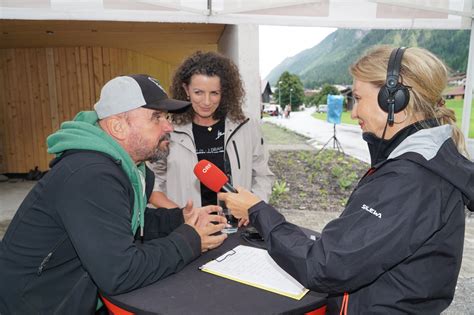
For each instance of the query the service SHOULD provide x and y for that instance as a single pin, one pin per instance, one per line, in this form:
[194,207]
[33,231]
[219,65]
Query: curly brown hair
[210,64]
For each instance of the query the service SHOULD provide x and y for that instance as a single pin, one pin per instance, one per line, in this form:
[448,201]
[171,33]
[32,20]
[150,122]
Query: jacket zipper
[48,257]
[43,263]
[225,145]
[236,153]
[235,130]
[228,139]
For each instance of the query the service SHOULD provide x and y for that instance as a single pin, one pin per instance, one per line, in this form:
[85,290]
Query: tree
[312,100]
[291,86]
[322,96]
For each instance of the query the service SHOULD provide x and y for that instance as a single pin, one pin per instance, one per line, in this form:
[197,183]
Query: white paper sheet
[254,266]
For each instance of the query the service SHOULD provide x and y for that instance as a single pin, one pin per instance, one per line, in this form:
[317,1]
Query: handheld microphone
[212,177]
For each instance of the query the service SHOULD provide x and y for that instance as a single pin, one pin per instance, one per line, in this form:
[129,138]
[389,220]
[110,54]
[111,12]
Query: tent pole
[466,112]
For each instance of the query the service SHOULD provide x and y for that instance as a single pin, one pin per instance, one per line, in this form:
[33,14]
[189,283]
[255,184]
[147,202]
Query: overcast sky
[279,42]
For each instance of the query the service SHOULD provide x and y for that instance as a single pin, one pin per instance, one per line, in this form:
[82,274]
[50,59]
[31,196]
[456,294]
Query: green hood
[84,133]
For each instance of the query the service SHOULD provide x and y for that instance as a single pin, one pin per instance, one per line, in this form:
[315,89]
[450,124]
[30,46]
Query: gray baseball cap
[125,93]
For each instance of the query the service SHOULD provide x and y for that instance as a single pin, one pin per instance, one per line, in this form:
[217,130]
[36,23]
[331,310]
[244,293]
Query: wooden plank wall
[42,87]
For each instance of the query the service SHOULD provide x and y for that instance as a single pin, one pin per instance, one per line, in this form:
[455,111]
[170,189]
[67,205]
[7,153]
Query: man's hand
[240,203]
[200,216]
[203,222]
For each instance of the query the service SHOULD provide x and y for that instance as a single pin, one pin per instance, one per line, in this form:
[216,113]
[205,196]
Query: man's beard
[154,154]
[160,153]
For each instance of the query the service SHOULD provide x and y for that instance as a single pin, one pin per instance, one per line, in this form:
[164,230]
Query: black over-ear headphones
[393,96]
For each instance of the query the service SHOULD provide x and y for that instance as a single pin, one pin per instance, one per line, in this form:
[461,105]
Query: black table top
[192,291]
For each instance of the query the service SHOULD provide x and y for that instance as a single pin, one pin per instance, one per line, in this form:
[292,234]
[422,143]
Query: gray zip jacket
[244,149]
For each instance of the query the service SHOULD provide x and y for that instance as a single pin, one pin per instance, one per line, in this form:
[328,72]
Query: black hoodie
[397,246]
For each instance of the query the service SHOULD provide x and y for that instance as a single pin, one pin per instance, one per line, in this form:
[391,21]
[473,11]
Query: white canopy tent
[382,14]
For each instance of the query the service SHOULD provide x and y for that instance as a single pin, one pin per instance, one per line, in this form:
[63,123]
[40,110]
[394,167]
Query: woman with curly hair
[214,128]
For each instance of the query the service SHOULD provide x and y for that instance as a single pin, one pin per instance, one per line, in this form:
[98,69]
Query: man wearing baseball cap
[84,228]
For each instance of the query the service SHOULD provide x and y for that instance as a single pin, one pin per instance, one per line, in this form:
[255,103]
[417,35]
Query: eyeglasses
[162,116]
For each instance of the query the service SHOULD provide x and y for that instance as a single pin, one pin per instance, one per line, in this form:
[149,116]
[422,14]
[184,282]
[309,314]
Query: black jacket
[72,236]
[397,246]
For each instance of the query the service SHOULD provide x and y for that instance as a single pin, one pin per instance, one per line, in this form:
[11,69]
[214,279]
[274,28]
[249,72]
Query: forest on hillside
[328,62]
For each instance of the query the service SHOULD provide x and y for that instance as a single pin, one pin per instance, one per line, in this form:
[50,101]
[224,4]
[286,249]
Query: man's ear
[117,127]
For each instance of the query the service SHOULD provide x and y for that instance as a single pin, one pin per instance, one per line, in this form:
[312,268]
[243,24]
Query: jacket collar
[381,149]
[183,134]
[230,126]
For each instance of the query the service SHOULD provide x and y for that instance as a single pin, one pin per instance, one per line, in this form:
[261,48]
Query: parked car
[272,109]
[323,108]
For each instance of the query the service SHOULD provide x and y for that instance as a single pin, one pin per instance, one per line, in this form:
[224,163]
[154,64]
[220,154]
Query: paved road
[320,132]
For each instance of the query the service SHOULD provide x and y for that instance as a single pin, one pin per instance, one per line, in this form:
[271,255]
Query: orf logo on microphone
[210,175]
[206,168]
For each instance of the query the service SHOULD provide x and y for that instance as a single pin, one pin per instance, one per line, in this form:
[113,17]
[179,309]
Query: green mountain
[328,62]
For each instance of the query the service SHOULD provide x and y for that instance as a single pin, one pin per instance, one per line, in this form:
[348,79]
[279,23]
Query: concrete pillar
[240,43]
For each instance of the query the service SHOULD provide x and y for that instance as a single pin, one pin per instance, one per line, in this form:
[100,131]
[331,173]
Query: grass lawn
[455,105]
[345,118]
[277,135]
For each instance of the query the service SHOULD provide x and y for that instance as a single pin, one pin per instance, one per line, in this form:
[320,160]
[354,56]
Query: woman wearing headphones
[397,246]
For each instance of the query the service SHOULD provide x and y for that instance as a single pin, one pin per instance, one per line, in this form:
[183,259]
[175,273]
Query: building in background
[454,93]
[266,91]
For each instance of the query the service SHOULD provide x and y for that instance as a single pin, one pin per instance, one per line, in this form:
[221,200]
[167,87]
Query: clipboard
[254,267]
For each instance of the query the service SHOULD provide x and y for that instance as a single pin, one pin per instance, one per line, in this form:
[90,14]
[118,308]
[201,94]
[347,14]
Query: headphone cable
[380,142]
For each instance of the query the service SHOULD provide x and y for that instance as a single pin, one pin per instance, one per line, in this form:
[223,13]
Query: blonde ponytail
[446,116]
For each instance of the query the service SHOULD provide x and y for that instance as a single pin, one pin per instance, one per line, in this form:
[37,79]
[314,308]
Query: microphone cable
[255,243]
[253,238]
